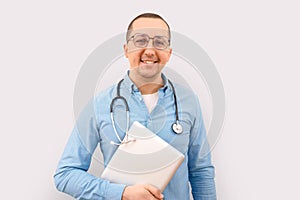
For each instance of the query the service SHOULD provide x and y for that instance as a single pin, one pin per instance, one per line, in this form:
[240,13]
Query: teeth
[148,62]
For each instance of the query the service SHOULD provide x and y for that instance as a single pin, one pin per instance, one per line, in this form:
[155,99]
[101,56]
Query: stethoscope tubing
[176,127]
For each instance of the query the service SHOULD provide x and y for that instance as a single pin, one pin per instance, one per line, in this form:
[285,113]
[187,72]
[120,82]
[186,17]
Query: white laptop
[147,160]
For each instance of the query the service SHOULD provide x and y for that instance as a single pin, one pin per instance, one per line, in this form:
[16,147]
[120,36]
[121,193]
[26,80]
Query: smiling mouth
[149,61]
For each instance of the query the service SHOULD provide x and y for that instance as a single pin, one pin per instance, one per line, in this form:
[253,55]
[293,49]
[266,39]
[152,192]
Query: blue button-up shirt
[94,126]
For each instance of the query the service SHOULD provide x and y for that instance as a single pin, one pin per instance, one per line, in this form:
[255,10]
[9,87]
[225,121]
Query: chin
[149,74]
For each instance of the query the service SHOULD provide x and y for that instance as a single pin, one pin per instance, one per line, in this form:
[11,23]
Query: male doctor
[150,99]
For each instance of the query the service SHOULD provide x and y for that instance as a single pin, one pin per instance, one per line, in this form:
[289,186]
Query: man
[150,99]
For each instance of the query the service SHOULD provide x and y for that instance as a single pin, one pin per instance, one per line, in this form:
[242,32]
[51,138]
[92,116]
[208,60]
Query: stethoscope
[176,127]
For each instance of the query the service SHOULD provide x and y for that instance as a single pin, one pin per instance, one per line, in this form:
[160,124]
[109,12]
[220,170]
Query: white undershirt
[150,100]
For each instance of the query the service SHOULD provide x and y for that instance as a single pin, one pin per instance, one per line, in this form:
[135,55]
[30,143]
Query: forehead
[150,26]
[149,23]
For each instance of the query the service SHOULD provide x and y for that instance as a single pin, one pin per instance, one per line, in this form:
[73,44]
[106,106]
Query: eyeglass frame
[168,40]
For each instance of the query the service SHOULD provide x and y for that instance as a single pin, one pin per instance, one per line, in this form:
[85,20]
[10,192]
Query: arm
[71,176]
[201,171]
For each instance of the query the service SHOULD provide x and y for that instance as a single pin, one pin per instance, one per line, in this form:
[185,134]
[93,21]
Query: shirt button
[141,98]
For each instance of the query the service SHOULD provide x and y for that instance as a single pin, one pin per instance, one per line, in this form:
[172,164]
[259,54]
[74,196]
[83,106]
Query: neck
[147,86]
[150,88]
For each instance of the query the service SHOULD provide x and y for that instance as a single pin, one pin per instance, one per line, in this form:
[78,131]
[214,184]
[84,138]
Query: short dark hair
[146,15]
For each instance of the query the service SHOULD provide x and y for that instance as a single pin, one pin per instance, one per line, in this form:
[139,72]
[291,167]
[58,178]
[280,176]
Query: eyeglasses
[142,40]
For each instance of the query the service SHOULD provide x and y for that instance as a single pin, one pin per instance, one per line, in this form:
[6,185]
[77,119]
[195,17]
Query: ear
[125,50]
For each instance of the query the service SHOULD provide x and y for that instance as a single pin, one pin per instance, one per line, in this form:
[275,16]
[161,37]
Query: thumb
[154,191]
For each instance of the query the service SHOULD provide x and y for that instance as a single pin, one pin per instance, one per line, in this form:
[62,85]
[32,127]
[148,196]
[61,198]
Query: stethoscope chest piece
[177,128]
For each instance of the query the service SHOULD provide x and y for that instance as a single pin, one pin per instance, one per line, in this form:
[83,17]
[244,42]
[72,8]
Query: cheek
[164,58]
[134,60]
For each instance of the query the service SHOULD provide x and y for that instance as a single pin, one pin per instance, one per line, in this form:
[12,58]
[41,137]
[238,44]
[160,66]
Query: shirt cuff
[115,191]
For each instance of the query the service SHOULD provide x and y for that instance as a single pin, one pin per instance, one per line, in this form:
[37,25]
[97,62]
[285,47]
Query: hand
[142,192]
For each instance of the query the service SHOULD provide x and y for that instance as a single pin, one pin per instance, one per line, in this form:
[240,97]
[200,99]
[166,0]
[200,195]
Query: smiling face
[146,63]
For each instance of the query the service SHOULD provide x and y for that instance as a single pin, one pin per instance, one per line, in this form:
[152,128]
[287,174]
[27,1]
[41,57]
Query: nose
[149,52]
[150,43]
[149,49]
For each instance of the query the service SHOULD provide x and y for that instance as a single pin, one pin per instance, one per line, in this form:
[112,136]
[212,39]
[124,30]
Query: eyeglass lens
[142,40]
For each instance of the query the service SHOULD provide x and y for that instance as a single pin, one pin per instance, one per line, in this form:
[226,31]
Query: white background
[254,45]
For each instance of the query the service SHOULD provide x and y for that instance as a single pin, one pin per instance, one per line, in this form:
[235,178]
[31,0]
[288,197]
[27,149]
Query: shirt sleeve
[201,170]
[71,176]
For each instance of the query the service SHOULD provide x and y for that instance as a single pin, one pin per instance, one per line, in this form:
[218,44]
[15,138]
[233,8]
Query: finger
[154,191]
[152,197]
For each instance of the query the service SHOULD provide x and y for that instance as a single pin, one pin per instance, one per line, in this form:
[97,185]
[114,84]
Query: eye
[160,43]
[141,40]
